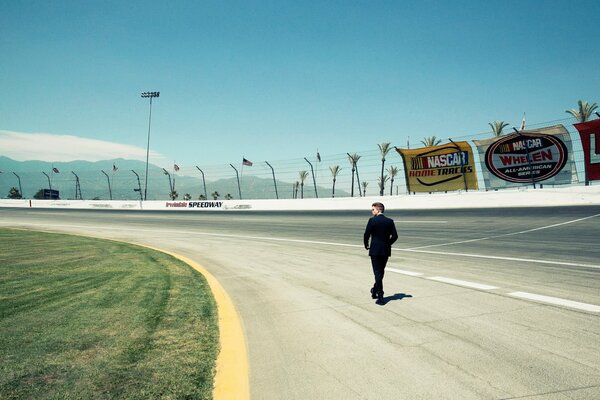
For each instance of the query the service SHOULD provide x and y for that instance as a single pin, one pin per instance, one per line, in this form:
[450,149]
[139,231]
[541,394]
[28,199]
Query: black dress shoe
[373,295]
[380,300]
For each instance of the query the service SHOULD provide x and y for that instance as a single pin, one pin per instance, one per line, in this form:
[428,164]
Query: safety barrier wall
[523,197]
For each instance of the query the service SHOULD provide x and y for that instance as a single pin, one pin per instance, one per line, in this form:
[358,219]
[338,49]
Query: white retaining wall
[572,195]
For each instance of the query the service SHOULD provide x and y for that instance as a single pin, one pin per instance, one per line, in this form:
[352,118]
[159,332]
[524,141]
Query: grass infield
[84,318]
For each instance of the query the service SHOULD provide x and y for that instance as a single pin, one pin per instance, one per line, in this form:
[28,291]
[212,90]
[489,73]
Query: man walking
[382,232]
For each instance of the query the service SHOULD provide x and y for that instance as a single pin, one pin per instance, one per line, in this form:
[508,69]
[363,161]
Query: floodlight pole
[139,189]
[238,180]
[77,186]
[274,181]
[108,180]
[203,183]
[170,182]
[357,178]
[312,171]
[149,95]
[49,183]
[20,190]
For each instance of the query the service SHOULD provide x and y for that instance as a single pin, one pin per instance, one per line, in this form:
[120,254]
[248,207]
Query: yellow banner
[439,168]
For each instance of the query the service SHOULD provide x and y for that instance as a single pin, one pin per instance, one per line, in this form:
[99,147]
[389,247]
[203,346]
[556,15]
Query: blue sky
[277,80]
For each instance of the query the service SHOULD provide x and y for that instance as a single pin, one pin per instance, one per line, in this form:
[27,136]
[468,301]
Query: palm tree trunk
[352,187]
[382,183]
[392,187]
[333,189]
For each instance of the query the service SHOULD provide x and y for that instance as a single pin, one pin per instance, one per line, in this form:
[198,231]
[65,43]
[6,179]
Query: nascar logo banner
[439,168]
[540,155]
[590,141]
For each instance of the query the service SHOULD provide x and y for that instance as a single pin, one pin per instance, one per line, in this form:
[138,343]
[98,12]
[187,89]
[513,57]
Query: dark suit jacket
[382,232]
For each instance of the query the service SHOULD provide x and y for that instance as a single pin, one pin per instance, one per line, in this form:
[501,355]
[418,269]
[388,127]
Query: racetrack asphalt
[481,304]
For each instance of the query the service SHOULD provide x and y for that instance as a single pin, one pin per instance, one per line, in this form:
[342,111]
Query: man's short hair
[379,206]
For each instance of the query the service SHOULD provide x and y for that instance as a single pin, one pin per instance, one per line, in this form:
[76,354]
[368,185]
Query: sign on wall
[440,168]
[541,155]
[590,141]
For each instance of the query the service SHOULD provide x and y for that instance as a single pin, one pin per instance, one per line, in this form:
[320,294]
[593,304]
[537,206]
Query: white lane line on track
[507,234]
[404,272]
[524,260]
[424,222]
[410,250]
[459,282]
[556,301]
[523,295]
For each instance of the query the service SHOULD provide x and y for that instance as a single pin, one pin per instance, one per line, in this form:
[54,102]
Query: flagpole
[524,139]
[318,161]
[112,175]
[174,170]
[241,177]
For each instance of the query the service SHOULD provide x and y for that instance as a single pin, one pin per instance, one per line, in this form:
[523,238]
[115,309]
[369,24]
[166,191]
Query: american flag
[247,162]
[55,170]
[115,168]
[176,167]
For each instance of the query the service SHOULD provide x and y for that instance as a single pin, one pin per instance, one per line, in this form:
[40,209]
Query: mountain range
[95,178]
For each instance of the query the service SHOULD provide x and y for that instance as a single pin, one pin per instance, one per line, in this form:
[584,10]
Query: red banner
[590,141]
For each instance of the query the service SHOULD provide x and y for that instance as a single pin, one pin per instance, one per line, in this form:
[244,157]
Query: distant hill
[94,183]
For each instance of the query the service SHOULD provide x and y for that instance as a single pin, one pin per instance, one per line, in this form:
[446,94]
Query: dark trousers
[378,263]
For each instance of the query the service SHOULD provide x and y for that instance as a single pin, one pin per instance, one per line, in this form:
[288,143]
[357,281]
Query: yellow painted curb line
[231,377]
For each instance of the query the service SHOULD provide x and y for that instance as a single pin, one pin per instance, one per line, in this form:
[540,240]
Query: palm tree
[384,149]
[381,183]
[393,171]
[303,175]
[173,195]
[497,127]
[40,194]
[215,195]
[585,111]
[335,170]
[14,193]
[431,141]
[228,196]
[353,158]
[202,197]
[364,185]
[187,196]
[296,186]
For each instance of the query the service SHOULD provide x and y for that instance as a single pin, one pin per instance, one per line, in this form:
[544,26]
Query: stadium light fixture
[149,95]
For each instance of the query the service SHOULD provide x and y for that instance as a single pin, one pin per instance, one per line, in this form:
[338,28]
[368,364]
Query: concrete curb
[231,377]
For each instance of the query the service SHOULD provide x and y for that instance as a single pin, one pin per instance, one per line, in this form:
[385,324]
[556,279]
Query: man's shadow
[397,296]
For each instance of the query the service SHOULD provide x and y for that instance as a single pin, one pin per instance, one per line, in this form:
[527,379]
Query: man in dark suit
[382,232]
